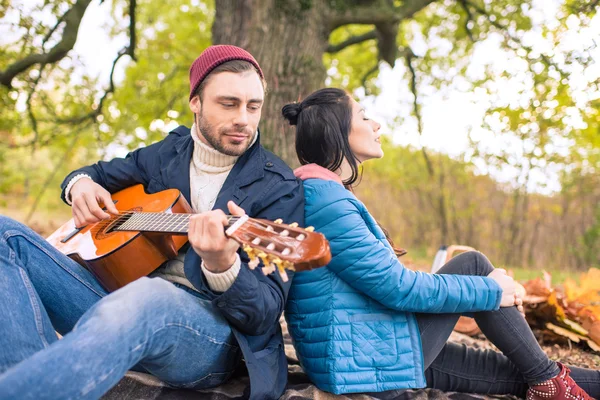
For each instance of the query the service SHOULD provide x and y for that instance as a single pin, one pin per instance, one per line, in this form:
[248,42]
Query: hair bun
[291,112]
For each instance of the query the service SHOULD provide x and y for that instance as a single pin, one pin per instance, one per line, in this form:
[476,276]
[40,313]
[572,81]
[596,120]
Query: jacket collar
[314,171]
[248,169]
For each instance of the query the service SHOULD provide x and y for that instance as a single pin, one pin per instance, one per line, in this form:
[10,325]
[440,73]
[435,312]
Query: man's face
[229,111]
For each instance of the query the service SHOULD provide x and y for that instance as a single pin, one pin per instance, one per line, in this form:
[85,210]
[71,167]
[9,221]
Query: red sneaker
[563,387]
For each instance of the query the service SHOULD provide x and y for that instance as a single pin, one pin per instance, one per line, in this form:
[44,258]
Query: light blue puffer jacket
[352,321]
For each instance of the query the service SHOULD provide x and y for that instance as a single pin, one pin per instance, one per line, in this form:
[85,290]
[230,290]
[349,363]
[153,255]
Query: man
[194,320]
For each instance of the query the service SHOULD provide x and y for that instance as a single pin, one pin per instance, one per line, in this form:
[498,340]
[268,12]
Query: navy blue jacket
[265,187]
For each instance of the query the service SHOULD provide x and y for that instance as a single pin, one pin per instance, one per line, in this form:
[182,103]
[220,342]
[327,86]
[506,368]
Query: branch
[127,50]
[586,8]
[79,119]
[32,119]
[51,31]
[366,76]
[409,56]
[73,19]
[132,36]
[470,18]
[381,12]
[48,181]
[334,48]
[386,42]
[516,40]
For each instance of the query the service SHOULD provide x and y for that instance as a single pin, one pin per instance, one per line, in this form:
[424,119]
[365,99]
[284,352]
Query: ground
[141,386]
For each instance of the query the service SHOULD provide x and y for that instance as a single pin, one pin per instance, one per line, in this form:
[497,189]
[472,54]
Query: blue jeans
[149,325]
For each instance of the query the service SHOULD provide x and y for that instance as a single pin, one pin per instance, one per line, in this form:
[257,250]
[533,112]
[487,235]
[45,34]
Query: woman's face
[364,135]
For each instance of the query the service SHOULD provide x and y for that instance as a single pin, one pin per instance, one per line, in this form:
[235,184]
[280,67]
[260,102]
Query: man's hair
[235,66]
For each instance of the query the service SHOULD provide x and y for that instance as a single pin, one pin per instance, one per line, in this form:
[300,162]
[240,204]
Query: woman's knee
[468,263]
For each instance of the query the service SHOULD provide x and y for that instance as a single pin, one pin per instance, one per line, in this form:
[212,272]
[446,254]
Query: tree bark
[288,42]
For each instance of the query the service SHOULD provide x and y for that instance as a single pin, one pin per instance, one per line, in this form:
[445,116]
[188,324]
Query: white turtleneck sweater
[208,170]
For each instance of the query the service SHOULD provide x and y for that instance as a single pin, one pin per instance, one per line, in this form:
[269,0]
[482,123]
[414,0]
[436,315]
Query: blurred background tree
[56,116]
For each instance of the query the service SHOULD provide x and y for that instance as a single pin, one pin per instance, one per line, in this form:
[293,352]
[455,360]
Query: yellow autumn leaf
[565,332]
[554,303]
[588,290]
[575,327]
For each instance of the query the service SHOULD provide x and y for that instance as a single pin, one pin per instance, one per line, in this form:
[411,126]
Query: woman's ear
[195,105]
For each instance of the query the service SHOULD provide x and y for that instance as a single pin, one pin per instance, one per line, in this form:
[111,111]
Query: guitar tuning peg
[288,265]
[268,269]
[264,257]
[280,269]
[250,251]
[294,224]
[309,229]
[253,263]
[283,274]
[278,221]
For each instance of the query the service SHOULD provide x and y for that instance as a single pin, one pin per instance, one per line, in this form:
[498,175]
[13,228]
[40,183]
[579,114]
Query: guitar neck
[177,224]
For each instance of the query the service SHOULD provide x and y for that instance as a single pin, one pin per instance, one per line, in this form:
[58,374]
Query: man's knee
[138,301]
[8,225]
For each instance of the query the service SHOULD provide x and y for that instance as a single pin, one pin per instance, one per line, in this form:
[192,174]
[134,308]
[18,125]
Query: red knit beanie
[214,56]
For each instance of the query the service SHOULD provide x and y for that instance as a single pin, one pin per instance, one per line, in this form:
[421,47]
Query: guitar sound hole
[114,224]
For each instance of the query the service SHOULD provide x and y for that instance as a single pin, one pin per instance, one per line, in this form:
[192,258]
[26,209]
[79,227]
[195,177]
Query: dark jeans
[454,367]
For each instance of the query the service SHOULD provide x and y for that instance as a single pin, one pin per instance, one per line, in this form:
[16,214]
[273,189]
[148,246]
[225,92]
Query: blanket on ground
[140,386]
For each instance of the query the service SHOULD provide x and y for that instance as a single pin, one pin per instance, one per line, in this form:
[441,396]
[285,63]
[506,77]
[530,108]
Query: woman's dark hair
[323,122]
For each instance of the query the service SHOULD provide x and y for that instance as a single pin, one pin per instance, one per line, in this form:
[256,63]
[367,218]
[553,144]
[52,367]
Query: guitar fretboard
[157,222]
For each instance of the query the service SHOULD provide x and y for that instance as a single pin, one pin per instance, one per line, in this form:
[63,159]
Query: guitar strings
[125,215]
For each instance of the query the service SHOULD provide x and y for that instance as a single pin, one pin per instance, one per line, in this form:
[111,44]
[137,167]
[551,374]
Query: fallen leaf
[564,332]
[537,287]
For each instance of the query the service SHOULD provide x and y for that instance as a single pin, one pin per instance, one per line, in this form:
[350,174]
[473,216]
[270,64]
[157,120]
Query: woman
[365,323]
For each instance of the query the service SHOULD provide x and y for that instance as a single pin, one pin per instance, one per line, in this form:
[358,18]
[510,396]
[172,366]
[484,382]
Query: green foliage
[156,87]
[554,232]
[349,67]
[48,126]
[59,131]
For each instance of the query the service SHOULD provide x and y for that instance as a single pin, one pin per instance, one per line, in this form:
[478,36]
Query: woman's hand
[509,288]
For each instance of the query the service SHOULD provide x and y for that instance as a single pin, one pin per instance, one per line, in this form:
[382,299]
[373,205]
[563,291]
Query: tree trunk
[288,39]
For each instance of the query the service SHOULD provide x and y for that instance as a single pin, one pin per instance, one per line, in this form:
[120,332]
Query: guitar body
[105,252]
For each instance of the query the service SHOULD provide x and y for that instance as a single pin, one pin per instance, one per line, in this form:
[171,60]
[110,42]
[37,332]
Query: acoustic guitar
[151,228]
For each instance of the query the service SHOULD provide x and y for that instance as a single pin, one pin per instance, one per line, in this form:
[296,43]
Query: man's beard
[217,139]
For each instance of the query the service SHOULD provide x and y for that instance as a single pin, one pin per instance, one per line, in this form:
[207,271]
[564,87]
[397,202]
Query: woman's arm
[367,264]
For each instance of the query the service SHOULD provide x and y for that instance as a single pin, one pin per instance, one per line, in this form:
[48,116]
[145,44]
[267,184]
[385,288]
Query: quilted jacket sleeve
[369,266]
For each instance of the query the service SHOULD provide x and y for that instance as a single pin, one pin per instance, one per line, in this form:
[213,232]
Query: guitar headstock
[280,246]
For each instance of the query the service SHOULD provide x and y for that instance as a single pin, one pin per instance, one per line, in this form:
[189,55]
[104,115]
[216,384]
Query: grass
[421,258]
[558,276]
[44,221]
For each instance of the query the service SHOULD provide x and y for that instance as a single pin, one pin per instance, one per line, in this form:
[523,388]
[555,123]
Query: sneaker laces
[572,387]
